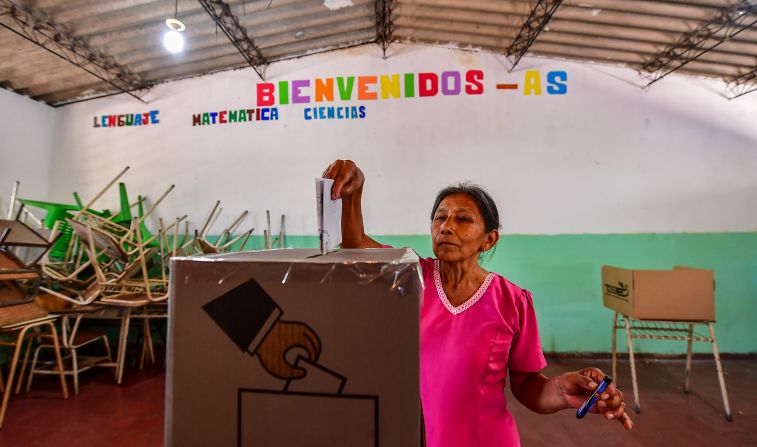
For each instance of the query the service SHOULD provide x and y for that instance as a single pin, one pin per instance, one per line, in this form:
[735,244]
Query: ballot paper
[318,379]
[329,216]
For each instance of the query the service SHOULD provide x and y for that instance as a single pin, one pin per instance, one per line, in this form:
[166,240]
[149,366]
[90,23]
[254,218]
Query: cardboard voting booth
[683,293]
[294,348]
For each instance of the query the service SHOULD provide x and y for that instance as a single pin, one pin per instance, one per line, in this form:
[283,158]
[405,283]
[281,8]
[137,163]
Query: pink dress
[465,354]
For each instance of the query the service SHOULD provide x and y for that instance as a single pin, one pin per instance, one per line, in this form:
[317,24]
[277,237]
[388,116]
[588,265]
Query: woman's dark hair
[485,203]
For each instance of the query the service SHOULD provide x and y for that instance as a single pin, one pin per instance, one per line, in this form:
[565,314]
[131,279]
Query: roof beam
[37,27]
[726,24]
[746,83]
[536,21]
[680,10]
[221,13]
[471,17]
[384,24]
[612,56]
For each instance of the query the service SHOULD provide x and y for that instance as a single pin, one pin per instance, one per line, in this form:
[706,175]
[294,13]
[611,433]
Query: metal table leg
[688,359]
[122,340]
[719,367]
[678,331]
[637,406]
[615,347]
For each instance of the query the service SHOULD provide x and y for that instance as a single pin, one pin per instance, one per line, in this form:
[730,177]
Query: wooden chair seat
[21,235]
[206,247]
[12,268]
[4,276]
[54,305]
[9,261]
[86,336]
[20,315]
[104,242]
[11,293]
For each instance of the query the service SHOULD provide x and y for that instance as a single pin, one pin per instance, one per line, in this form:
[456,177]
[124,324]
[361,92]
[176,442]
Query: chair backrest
[9,261]
[131,270]
[91,292]
[14,233]
[103,242]
[205,246]
[21,235]
[11,294]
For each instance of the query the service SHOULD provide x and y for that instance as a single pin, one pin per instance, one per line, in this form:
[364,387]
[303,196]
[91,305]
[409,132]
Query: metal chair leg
[686,387]
[615,347]
[148,352]
[33,368]
[107,348]
[637,406]
[59,360]
[721,378]
[75,371]
[143,353]
[25,361]
[150,346]
[14,363]
[122,339]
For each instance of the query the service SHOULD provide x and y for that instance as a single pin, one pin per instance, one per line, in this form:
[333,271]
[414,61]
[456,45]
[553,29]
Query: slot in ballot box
[291,348]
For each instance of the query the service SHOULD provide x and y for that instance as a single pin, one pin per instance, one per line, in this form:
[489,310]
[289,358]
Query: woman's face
[458,231]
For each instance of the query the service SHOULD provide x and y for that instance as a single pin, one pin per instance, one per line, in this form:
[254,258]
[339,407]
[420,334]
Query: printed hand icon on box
[250,317]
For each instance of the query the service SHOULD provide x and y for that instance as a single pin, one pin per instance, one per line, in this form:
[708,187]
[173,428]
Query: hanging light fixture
[172,39]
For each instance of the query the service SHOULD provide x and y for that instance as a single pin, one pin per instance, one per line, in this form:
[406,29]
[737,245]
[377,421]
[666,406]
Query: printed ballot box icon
[311,411]
[251,319]
[274,418]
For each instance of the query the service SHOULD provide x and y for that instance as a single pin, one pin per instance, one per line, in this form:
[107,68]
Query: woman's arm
[543,394]
[348,184]
[537,392]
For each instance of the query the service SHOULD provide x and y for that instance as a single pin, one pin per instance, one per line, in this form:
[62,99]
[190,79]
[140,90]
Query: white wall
[607,157]
[26,141]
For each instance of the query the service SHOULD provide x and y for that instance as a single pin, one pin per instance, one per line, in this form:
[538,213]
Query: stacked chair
[95,264]
[21,319]
[125,275]
[200,244]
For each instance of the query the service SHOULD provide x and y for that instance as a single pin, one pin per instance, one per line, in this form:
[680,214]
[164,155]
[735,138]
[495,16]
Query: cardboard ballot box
[683,293]
[294,348]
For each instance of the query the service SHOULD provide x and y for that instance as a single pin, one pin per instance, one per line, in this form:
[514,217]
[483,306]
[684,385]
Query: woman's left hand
[576,387]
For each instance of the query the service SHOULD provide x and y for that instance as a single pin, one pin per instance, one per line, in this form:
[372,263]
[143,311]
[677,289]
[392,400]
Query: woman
[476,326]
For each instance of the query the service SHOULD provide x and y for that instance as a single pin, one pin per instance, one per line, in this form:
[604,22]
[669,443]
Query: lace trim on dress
[467,304]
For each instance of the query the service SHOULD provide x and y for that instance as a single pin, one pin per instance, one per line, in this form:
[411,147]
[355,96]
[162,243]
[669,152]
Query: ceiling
[62,51]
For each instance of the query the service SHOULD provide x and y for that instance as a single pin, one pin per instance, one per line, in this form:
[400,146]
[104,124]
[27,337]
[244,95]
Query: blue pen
[593,398]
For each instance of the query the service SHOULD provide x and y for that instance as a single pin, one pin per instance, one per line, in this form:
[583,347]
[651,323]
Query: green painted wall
[563,273]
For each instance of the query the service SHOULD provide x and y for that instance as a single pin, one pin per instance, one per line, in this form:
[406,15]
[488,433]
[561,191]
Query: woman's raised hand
[348,178]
